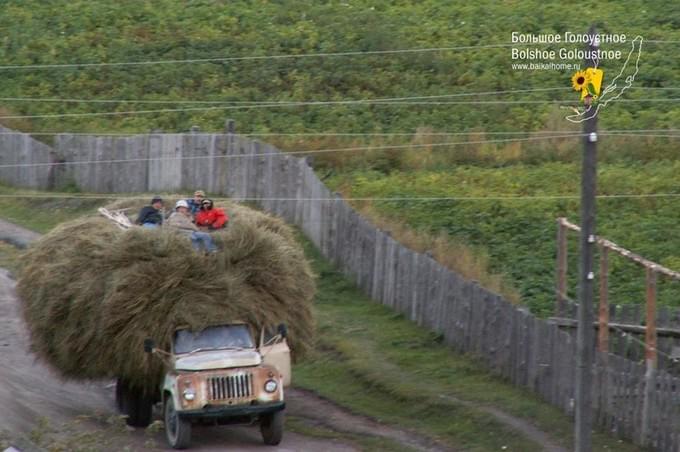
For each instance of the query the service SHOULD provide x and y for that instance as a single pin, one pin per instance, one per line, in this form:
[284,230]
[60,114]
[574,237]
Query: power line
[631,132]
[287,102]
[57,195]
[651,135]
[283,56]
[244,107]
[519,102]
[221,102]
[256,57]
[332,134]
[324,103]
[282,154]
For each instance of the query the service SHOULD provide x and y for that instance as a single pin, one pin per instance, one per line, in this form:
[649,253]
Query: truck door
[275,352]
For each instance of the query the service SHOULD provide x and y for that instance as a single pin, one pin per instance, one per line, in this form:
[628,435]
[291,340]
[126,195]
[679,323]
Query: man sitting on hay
[151,216]
[180,219]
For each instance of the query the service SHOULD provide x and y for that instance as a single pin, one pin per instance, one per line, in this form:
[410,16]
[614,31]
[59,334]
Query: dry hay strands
[92,293]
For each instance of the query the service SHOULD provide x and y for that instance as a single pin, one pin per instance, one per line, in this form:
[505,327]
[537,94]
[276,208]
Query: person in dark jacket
[151,216]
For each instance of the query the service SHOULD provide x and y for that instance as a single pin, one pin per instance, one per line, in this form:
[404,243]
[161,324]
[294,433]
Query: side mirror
[149,345]
[282,330]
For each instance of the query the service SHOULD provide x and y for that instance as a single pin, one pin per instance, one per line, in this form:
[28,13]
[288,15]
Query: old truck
[217,376]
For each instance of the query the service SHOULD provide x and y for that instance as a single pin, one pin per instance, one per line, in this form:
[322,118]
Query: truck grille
[237,386]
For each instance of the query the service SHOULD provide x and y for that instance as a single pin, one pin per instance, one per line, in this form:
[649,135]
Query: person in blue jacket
[195,202]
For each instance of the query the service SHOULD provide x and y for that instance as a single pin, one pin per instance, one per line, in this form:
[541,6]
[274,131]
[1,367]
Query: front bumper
[216,411]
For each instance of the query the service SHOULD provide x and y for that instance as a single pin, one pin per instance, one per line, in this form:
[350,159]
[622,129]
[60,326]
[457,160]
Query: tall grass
[424,150]
[472,263]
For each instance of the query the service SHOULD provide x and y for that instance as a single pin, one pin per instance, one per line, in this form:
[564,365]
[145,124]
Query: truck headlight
[270,386]
[189,394]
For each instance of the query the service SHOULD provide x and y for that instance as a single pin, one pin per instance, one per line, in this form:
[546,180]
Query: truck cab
[219,375]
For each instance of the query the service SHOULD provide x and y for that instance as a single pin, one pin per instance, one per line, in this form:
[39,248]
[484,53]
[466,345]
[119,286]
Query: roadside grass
[9,257]
[471,262]
[375,363]
[508,215]
[100,433]
[363,442]
[42,213]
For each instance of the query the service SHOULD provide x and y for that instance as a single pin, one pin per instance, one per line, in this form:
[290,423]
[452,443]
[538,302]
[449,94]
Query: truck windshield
[215,337]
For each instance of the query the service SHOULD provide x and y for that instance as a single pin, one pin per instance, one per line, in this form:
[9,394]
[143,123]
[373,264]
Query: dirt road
[37,406]
[35,403]
[30,391]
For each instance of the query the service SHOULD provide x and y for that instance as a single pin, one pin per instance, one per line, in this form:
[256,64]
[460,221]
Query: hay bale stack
[92,293]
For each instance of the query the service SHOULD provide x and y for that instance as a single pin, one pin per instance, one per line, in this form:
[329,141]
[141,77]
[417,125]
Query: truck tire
[133,403]
[271,427]
[177,430]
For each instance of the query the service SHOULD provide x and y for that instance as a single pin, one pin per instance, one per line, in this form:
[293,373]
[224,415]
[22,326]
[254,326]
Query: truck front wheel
[177,430]
[271,427]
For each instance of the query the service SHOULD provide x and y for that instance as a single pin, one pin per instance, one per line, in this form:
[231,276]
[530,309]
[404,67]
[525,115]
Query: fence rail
[528,351]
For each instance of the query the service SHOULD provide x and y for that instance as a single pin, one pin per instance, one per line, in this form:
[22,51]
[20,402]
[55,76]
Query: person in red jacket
[211,217]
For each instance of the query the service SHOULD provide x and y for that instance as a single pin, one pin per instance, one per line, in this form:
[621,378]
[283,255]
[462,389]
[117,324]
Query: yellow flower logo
[588,82]
[579,80]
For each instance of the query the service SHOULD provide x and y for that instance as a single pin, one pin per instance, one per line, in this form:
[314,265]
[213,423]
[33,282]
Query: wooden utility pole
[650,357]
[561,286]
[585,334]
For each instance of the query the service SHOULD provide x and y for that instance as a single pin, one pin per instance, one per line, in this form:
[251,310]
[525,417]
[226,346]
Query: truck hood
[218,359]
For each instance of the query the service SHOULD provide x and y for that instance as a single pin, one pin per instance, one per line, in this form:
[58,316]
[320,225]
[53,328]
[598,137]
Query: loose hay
[92,293]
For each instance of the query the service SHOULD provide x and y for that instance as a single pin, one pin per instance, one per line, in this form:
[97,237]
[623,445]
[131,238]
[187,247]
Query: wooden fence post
[650,357]
[603,337]
[561,283]
[230,126]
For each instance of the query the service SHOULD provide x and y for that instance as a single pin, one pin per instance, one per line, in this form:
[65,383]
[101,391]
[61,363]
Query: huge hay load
[92,293]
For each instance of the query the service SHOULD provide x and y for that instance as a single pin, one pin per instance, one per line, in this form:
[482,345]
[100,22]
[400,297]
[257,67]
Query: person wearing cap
[151,216]
[180,219]
[195,202]
[210,217]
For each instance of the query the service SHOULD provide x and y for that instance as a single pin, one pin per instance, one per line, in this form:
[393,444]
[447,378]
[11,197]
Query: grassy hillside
[58,31]
[519,235]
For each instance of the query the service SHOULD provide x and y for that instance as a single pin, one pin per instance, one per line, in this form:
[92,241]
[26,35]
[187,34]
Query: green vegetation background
[517,235]
[58,31]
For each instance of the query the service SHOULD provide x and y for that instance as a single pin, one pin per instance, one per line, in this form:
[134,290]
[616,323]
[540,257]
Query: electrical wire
[325,103]
[57,195]
[282,154]
[282,56]
[628,132]
[221,102]
[257,57]
[276,105]
[310,102]
[333,134]
[254,102]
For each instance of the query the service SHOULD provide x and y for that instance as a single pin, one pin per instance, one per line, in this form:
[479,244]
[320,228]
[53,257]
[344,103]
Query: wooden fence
[528,351]
[651,334]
